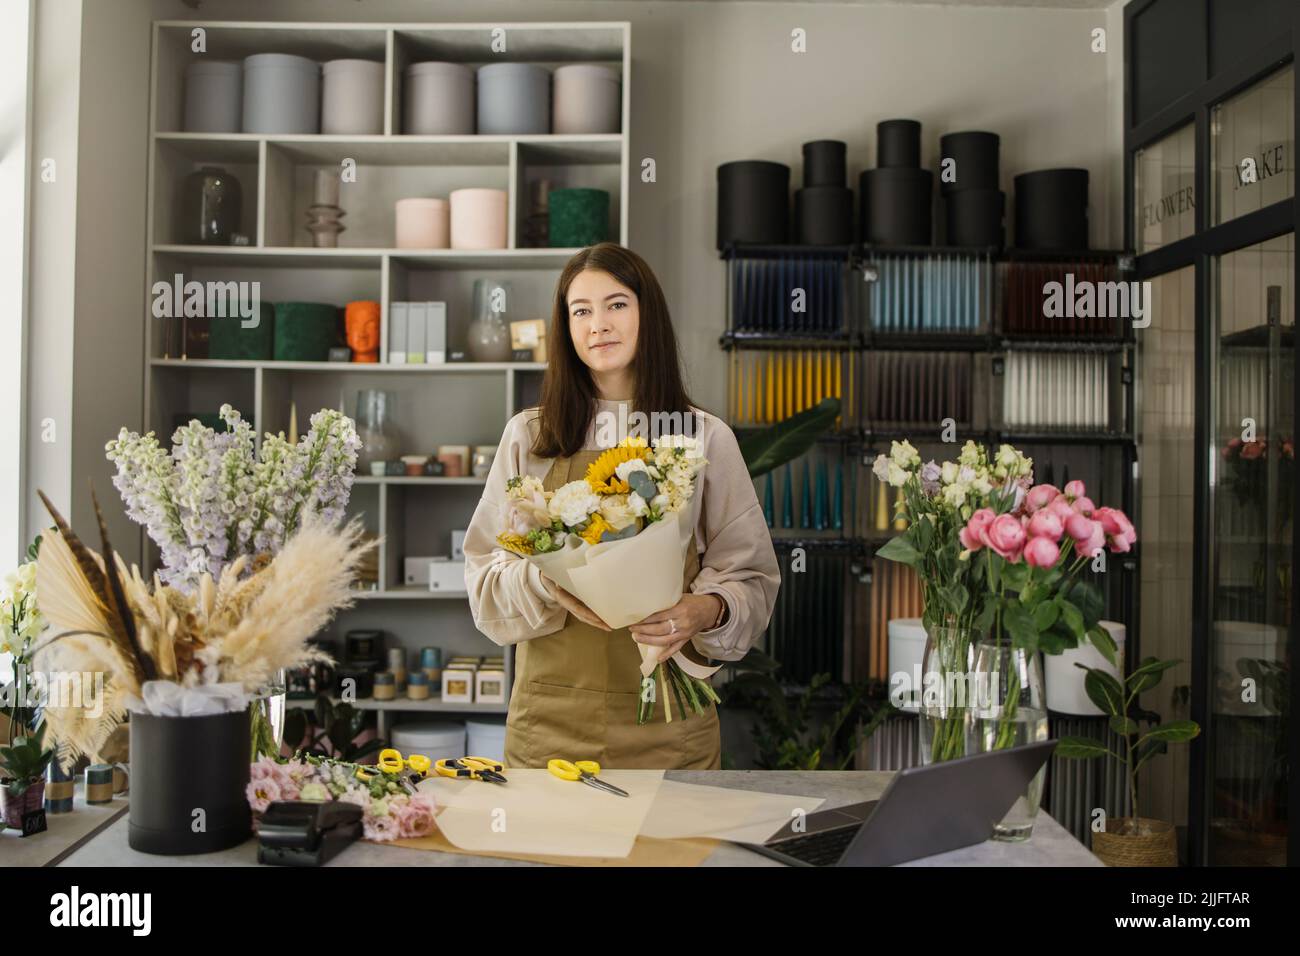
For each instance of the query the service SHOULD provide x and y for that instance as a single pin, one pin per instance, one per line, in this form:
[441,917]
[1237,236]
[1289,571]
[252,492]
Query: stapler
[302,833]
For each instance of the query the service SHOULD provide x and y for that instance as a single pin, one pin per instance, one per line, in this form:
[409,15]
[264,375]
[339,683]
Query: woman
[611,351]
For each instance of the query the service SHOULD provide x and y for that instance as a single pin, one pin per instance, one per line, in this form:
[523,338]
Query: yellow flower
[515,543]
[595,529]
[600,473]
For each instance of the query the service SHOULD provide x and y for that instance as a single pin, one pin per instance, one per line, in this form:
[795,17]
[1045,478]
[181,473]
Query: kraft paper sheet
[688,810]
[645,852]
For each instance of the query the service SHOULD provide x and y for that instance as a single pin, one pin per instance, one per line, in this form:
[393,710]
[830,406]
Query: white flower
[616,509]
[897,476]
[949,472]
[637,505]
[880,467]
[904,455]
[526,486]
[625,468]
[955,494]
[574,503]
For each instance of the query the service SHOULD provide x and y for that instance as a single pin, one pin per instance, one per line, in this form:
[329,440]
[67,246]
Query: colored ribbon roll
[99,783]
[58,789]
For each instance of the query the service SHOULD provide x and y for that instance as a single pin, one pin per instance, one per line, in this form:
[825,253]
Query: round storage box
[578,217]
[305,331]
[214,96]
[906,657]
[823,216]
[352,97]
[1063,682]
[514,98]
[438,100]
[478,218]
[486,738]
[281,94]
[423,224]
[895,206]
[1052,210]
[436,740]
[228,338]
[585,99]
[898,144]
[753,202]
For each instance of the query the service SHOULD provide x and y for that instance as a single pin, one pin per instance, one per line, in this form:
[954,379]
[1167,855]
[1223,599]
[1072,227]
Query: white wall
[711,82]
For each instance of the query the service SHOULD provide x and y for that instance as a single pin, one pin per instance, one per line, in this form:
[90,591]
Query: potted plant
[1135,840]
[22,777]
[21,624]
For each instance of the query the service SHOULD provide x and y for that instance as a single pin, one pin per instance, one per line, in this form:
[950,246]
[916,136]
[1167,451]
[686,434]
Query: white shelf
[413,593]
[433,705]
[307,257]
[417,480]
[450,368]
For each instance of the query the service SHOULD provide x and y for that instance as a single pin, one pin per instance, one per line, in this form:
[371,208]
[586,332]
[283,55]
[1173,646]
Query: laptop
[923,811]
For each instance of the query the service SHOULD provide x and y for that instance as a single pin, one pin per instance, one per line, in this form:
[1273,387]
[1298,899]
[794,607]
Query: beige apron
[575,693]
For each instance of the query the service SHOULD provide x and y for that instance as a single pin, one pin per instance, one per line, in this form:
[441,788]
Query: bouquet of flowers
[21,623]
[390,813]
[627,512]
[211,499]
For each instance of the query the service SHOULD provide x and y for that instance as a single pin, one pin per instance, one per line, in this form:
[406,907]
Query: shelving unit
[453,403]
[953,325]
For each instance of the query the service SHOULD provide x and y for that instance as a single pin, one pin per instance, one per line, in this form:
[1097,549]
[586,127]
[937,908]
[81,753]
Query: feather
[123,616]
[67,599]
[94,574]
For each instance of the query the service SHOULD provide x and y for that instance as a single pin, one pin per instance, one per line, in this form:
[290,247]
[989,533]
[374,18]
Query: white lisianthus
[955,494]
[574,503]
[617,510]
[625,468]
[904,455]
[880,467]
[949,472]
[1007,456]
[982,484]
[971,455]
[897,476]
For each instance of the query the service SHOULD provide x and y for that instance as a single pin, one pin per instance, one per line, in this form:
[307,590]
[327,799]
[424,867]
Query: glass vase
[375,428]
[945,704]
[267,719]
[488,335]
[1010,710]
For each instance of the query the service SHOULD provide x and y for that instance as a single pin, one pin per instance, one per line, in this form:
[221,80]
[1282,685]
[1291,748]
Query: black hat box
[898,144]
[896,206]
[823,208]
[974,217]
[976,156]
[753,202]
[824,162]
[1052,210]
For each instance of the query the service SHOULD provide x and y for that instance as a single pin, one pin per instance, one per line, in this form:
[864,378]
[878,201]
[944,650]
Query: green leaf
[1088,599]
[1045,615]
[628,532]
[1102,640]
[1019,623]
[1079,748]
[900,549]
[1015,576]
[1148,674]
[787,440]
[1073,619]
[1174,732]
[642,484]
[1103,690]
[1124,726]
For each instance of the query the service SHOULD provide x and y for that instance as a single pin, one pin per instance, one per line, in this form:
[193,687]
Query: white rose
[616,510]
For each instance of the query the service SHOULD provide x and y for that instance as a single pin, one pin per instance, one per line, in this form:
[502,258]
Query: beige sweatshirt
[512,602]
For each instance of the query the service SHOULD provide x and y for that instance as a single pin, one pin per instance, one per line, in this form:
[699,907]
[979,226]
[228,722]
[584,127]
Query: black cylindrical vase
[823,216]
[896,206]
[974,217]
[975,161]
[189,777]
[824,163]
[1052,210]
[753,202]
[898,143]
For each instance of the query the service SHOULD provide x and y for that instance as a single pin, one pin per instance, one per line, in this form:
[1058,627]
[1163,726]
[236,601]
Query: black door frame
[1200,251]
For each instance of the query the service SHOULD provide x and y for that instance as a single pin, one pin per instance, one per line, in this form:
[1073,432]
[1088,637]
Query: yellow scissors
[409,770]
[585,771]
[476,768]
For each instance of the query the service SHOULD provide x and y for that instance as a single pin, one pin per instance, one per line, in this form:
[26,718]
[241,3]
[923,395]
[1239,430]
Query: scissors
[476,768]
[584,770]
[409,770]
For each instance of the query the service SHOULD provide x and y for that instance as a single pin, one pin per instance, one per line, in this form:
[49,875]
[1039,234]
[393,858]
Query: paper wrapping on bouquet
[626,581]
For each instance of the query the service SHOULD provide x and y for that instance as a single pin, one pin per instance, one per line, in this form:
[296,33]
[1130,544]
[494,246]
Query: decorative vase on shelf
[488,336]
[210,207]
[945,692]
[1009,711]
[375,428]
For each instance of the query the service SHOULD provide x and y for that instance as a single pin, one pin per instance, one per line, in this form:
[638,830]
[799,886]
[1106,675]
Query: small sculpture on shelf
[324,214]
[362,321]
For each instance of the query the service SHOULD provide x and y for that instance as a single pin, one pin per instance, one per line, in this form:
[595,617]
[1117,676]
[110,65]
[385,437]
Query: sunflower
[600,473]
[515,542]
[595,528]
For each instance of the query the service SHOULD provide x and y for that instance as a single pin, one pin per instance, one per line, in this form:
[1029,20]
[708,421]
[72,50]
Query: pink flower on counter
[1046,524]
[381,829]
[1005,535]
[1040,496]
[262,793]
[1074,489]
[971,535]
[417,816]
[1087,534]
[1119,531]
[1083,505]
[1041,552]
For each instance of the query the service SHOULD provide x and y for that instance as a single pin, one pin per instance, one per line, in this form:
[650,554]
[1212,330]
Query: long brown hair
[568,392]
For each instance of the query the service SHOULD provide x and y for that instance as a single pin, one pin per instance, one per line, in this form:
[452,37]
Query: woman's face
[603,321]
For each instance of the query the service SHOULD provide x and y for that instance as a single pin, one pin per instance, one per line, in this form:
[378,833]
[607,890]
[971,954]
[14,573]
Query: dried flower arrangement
[241,627]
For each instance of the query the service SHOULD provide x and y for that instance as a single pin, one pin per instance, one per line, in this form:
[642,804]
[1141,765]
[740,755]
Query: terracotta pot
[1156,847]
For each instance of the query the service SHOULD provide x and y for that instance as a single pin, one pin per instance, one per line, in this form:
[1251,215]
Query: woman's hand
[670,630]
[578,609]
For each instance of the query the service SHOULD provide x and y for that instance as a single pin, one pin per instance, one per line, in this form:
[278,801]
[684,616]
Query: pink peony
[1060,507]
[1083,506]
[1041,552]
[1046,524]
[1039,497]
[1087,534]
[262,793]
[970,536]
[1074,489]
[1005,535]
[1120,532]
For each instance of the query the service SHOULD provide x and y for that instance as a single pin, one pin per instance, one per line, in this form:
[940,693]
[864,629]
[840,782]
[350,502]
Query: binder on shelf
[417,331]
[397,333]
[435,345]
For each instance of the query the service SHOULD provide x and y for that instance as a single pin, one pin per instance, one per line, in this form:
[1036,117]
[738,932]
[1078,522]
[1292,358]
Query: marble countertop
[1050,845]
